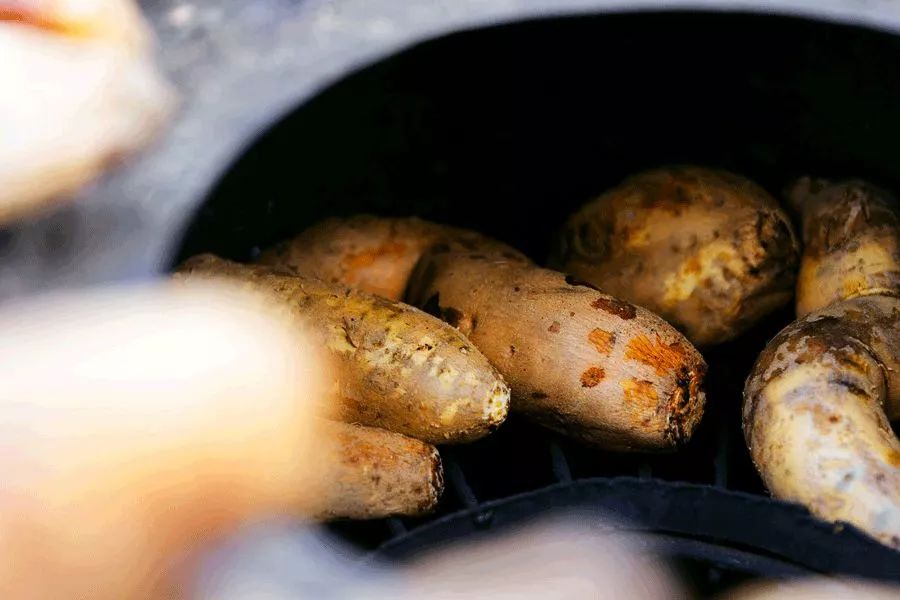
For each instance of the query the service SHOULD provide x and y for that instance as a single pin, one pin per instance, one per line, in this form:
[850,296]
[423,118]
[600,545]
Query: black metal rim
[755,534]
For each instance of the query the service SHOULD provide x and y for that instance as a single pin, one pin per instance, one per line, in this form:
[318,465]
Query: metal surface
[239,67]
[702,523]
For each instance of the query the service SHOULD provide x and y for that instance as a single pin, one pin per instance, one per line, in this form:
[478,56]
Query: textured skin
[709,251]
[371,473]
[395,367]
[851,237]
[368,253]
[578,361]
[816,410]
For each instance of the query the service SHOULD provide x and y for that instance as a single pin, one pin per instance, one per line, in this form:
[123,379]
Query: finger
[81,90]
[137,426]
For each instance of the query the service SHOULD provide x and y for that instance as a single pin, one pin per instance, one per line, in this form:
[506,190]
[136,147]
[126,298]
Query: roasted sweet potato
[816,411]
[365,252]
[851,237]
[818,402]
[370,473]
[394,366]
[709,251]
[579,361]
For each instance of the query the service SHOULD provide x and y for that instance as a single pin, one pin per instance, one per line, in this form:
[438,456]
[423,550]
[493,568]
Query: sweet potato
[816,411]
[709,251]
[370,473]
[394,366]
[851,237]
[818,402]
[365,252]
[578,361]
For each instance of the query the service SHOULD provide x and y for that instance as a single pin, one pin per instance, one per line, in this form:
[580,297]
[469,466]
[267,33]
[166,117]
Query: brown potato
[394,366]
[818,402]
[816,411]
[709,251]
[365,252]
[851,237]
[370,473]
[578,361]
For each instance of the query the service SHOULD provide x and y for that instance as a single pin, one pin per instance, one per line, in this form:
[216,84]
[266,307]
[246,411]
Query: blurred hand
[138,426]
[80,90]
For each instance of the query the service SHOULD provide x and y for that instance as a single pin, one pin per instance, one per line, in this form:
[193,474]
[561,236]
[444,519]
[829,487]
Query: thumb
[137,426]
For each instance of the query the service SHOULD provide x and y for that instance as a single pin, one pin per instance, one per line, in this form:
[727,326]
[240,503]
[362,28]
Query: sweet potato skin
[368,253]
[370,473]
[816,410]
[709,251]
[851,236]
[573,355]
[578,361]
[394,366]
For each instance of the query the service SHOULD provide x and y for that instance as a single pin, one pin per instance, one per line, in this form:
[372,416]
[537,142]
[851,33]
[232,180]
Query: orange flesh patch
[663,357]
[640,392]
[692,266]
[592,376]
[602,340]
[893,458]
[367,258]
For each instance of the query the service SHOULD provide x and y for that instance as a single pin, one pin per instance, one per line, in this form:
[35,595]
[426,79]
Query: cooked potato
[370,473]
[709,251]
[818,402]
[816,411]
[395,367]
[578,361]
[367,253]
[851,238]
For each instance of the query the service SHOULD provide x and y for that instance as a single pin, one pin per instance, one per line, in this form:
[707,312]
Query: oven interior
[509,128]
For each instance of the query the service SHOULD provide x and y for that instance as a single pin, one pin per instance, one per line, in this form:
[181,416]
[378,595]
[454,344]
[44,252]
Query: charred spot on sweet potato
[554,327]
[815,348]
[850,386]
[572,280]
[623,310]
[592,376]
